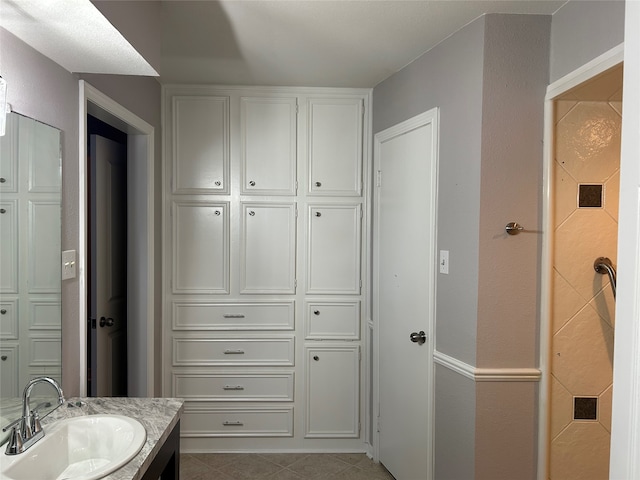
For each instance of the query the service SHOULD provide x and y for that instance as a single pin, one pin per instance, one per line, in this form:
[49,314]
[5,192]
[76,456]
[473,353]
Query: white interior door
[404,283]
[109,266]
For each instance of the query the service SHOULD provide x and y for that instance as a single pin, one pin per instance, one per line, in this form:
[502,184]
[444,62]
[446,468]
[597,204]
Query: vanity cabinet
[252,259]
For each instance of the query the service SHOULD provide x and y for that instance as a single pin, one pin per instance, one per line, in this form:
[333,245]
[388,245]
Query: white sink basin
[80,448]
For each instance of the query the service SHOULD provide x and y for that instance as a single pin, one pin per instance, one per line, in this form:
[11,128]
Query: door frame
[589,70]
[431,116]
[140,288]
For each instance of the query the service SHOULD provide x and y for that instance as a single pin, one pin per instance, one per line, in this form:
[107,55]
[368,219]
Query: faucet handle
[34,422]
[15,444]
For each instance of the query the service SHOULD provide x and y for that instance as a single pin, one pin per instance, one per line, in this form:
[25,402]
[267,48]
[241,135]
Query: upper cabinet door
[9,157]
[268,258]
[333,264]
[268,145]
[200,247]
[335,146]
[200,144]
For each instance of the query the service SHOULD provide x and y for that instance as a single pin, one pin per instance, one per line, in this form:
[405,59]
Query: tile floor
[280,466]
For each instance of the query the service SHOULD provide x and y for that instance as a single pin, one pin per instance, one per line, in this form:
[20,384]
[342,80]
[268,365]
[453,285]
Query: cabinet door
[268,145]
[334,249]
[9,371]
[332,387]
[44,246]
[200,144]
[9,246]
[335,146]
[200,247]
[268,258]
[9,156]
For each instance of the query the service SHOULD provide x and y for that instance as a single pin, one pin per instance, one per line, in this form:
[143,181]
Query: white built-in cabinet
[265,250]
[30,183]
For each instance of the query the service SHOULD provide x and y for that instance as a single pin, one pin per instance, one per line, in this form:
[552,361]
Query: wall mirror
[30,265]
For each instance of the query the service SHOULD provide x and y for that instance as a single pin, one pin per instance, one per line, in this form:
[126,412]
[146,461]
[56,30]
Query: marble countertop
[157,415]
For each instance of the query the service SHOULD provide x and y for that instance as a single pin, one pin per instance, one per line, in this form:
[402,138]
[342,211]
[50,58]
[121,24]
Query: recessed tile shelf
[585,408]
[590,196]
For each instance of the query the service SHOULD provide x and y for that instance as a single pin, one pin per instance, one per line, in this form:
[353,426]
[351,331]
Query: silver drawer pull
[233,387]
[233,315]
[233,352]
[237,423]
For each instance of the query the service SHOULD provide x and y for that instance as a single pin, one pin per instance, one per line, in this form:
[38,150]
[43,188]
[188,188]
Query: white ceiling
[74,34]
[338,43]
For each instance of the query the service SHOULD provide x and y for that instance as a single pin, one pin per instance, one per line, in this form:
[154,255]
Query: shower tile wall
[587,152]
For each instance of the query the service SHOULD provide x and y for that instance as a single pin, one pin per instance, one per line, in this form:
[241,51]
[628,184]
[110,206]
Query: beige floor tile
[352,458]
[318,466]
[250,467]
[285,474]
[283,459]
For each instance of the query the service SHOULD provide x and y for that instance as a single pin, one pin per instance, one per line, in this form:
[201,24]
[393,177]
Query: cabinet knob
[318,214]
[218,183]
[318,184]
[252,213]
[2,210]
[3,311]
[4,358]
[217,212]
[316,358]
[316,312]
[2,179]
[252,183]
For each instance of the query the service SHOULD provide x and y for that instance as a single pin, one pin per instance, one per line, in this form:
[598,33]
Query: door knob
[419,337]
[106,322]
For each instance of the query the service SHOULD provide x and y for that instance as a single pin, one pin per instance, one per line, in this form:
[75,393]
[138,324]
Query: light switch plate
[68,264]
[444,262]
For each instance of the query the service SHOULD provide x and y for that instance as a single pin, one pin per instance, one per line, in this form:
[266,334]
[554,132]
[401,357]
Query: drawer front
[233,351]
[233,316]
[262,387]
[332,321]
[237,422]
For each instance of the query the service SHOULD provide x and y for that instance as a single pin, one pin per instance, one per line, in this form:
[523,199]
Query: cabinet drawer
[333,320]
[233,351]
[263,387]
[233,316]
[237,422]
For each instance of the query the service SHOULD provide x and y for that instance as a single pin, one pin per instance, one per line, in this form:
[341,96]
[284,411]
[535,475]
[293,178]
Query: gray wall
[489,80]
[516,68]
[583,30]
[41,89]
[449,77]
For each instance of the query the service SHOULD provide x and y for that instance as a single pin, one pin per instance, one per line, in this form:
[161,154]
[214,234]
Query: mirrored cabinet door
[30,245]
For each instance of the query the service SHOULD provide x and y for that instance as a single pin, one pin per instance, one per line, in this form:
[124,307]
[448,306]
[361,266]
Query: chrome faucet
[27,430]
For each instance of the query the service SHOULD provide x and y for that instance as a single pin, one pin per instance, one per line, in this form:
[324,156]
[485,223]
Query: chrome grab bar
[603,266]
